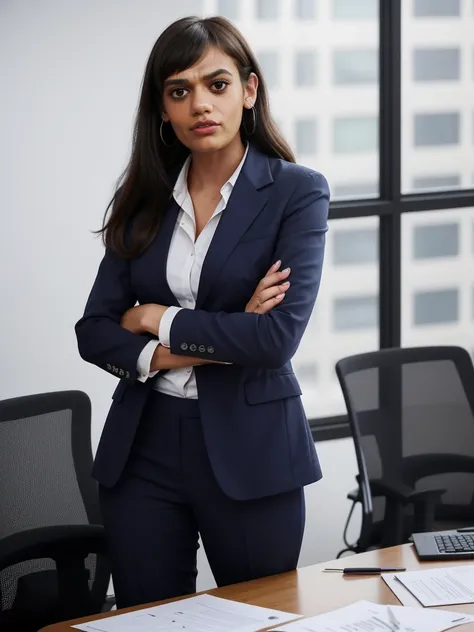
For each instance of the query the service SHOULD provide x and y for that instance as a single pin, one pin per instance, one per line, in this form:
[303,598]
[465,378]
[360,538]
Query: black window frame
[391,203]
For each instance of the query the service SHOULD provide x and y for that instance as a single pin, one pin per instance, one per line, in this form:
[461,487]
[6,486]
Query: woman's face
[204,103]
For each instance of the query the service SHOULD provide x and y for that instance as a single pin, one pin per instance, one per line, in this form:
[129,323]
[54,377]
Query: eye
[220,85]
[178,93]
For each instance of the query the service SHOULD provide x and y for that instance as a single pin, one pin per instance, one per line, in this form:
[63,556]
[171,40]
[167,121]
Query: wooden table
[309,591]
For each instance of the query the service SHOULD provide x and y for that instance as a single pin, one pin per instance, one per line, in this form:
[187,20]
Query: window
[305,9]
[434,241]
[436,64]
[436,307]
[305,71]
[228,8]
[355,9]
[307,371]
[354,135]
[270,67]
[428,183]
[355,312]
[437,276]
[436,114]
[354,246]
[268,9]
[355,66]
[354,189]
[306,133]
[437,129]
[436,8]
[343,322]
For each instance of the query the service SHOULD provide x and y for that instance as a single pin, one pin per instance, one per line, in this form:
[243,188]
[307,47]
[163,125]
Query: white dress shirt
[183,271]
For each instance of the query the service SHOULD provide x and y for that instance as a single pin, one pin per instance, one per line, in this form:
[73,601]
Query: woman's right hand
[270,291]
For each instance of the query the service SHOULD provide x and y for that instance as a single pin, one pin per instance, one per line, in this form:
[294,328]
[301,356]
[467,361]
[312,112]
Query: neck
[211,170]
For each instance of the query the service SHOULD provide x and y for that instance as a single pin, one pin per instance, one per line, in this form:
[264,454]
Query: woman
[206,434]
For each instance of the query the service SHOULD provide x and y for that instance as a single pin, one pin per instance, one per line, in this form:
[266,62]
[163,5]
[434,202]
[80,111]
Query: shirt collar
[181,193]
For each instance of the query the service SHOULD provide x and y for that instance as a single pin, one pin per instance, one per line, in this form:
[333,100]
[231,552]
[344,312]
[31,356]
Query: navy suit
[254,429]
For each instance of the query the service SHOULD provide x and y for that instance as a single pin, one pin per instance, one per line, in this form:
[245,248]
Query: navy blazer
[254,424]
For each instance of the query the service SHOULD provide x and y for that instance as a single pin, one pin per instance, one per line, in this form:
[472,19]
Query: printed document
[364,616]
[203,613]
[440,586]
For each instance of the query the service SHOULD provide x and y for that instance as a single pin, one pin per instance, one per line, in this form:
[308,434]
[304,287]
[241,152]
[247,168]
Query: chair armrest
[354,495]
[403,494]
[52,542]
[68,546]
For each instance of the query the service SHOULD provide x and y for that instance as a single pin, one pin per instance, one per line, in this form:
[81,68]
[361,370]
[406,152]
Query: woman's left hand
[143,318]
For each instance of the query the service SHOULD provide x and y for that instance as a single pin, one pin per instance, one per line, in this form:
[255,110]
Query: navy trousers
[168,495]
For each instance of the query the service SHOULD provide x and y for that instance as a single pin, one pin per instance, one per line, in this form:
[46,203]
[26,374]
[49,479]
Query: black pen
[354,570]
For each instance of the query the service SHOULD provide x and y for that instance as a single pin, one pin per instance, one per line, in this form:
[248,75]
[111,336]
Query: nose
[200,102]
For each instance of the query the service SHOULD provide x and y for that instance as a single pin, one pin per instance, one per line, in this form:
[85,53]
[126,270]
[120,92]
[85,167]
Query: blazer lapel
[159,254]
[246,201]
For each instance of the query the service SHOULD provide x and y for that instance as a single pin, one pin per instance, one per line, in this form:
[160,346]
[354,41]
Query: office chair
[411,414]
[53,563]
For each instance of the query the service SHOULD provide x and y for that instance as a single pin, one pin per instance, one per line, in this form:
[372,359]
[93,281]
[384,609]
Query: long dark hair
[133,216]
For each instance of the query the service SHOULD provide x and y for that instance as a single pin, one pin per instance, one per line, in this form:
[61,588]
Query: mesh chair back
[45,465]
[412,418]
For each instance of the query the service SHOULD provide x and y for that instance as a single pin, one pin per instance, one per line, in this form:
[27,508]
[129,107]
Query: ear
[250,91]
[165,117]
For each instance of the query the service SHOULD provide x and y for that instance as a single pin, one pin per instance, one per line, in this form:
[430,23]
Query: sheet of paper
[440,586]
[203,613]
[403,595]
[364,616]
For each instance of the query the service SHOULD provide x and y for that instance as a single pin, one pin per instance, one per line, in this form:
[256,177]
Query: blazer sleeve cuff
[165,325]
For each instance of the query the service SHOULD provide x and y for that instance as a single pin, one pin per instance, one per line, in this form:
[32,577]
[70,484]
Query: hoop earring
[161,136]
[254,122]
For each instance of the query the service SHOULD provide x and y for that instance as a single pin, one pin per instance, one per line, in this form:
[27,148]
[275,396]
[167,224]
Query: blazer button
[202,348]
[184,346]
[210,349]
[192,347]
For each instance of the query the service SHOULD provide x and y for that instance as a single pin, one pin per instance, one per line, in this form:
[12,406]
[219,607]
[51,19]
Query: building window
[437,129]
[355,312]
[354,246]
[268,9]
[436,8]
[354,189]
[436,307]
[436,64]
[305,68]
[307,371]
[228,8]
[270,67]
[305,9]
[355,66]
[437,240]
[355,9]
[306,136]
[355,134]
[429,183]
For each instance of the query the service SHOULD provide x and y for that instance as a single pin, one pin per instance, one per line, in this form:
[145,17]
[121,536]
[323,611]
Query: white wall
[70,74]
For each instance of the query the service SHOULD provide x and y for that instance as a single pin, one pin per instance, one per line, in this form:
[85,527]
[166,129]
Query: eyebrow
[186,82]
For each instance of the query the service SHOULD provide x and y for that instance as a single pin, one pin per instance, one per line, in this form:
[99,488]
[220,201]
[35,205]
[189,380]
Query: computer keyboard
[462,543]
